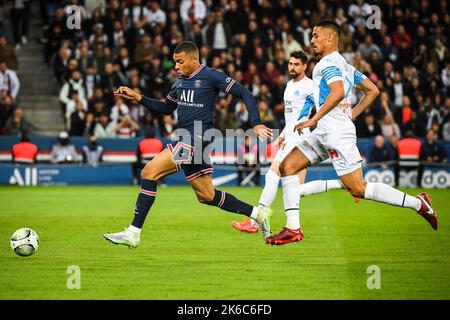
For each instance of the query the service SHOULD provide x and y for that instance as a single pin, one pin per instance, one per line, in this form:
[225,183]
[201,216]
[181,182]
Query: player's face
[296,68]
[319,40]
[185,63]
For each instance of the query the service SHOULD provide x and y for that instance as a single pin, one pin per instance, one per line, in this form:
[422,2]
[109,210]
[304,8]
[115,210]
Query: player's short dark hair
[330,24]
[299,54]
[187,47]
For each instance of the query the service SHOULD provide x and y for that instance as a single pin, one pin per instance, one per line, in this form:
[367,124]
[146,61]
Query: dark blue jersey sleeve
[229,85]
[164,107]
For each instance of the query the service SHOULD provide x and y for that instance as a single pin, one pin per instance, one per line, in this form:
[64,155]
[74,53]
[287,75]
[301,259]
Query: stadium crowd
[131,42]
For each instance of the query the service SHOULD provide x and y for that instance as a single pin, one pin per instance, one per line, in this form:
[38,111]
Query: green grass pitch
[189,251]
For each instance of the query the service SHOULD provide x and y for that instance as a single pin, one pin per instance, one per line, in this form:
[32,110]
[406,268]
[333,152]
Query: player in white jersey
[298,103]
[334,135]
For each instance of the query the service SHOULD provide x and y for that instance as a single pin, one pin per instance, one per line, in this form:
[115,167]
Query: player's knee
[358,191]
[286,169]
[148,174]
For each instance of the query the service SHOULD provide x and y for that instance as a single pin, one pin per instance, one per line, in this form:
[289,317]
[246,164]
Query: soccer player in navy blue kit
[194,95]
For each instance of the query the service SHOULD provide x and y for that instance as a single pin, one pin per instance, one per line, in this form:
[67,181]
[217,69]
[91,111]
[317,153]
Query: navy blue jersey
[196,96]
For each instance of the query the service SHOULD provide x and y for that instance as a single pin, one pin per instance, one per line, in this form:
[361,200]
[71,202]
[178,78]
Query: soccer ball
[25,242]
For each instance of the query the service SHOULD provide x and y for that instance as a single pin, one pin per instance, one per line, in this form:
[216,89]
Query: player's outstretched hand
[263,132]
[127,93]
[310,123]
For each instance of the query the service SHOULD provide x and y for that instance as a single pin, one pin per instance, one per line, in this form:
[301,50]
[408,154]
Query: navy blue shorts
[191,157]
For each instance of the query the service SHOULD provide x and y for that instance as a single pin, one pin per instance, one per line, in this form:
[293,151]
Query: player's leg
[292,171]
[268,194]
[159,167]
[272,180]
[207,194]
[384,193]
[319,186]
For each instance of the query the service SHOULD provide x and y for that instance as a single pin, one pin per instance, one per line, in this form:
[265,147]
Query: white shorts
[286,147]
[340,147]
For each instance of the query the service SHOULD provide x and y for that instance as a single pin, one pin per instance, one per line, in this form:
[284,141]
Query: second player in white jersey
[298,103]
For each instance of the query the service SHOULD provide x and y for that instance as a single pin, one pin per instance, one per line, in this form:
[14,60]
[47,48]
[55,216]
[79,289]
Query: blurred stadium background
[56,88]
[58,75]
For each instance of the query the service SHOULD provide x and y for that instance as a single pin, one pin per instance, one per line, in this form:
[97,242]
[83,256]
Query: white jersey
[298,102]
[333,67]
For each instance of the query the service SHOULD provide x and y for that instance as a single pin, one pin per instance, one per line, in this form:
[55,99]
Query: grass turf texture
[190,251]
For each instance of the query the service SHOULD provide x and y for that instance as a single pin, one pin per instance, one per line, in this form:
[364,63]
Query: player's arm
[371,92]
[164,107]
[334,79]
[335,96]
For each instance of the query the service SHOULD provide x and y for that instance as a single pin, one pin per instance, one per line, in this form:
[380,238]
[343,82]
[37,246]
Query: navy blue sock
[144,202]
[228,202]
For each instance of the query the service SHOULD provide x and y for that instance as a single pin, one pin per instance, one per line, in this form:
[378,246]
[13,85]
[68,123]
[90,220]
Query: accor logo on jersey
[187,96]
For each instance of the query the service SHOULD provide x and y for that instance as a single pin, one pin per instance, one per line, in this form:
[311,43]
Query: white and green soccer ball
[25,242]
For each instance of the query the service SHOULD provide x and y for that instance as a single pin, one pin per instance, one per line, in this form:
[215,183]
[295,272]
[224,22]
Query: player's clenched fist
[127,93]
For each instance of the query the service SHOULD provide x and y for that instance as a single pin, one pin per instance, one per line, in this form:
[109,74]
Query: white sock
[270,188]
[135,229]
[291,199]
[384,193]
[254,213]
[292,220]
[319,186]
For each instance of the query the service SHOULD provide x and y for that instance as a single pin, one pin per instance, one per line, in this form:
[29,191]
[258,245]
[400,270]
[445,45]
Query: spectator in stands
[369,128]
[368,46]
[156,16]
[248,162]
[6,111]
[24,151]
[63,151]
[20,15]
[91,5]
[135,17]
[18,124]
[92,152]
[8,54]
[431,151]
[388,50]
[192,11]
[144,51]
[127,128]
[61,64]
[218,33]
[290,44]
[9,80]
[75,84]
[118,110]
[359,11]
[381,152]
[109,81]
[75,105]
[77,118]
[105,128]
[440,53]
[389,128]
